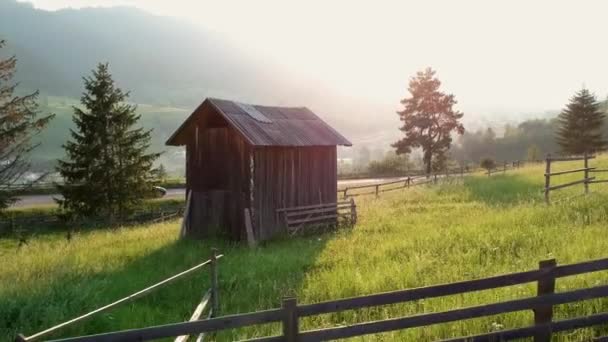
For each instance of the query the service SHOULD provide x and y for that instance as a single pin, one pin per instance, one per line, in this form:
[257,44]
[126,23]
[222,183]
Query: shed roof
[268,126]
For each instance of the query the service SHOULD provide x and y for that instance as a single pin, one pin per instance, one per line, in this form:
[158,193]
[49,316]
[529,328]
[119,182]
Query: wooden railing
[342,213]
[291,312]
[405,182]
[586,170]
[516,164]
[210,301]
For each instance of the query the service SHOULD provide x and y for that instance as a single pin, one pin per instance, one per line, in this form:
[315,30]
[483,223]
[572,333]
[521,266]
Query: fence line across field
[210,301]
[290,312]
[407,181]
[586,170]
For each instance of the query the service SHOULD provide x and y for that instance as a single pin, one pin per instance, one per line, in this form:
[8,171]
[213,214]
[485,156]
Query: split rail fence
[403,183]
[209,302]
[586,170]
[291,312]
[516,164]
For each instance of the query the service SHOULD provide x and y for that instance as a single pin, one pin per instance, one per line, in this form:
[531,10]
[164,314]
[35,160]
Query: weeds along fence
[209,303]
[516,164]
[290,313]
[585,170]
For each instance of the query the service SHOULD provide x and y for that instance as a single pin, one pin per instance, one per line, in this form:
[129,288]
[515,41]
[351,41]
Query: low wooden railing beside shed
[339,213]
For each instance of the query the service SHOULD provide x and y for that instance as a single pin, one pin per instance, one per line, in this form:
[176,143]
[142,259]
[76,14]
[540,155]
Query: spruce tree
[580,125]
[20,120]
[108,170]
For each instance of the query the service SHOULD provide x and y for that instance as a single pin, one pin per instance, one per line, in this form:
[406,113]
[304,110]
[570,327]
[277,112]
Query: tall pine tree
[580,125]
[428,119]
[108,169]
[19,122]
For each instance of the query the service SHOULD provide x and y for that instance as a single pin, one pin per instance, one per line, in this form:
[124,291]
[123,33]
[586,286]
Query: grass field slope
[458,230]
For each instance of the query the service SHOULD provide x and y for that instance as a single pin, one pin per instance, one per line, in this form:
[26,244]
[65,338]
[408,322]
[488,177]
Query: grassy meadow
[425,235]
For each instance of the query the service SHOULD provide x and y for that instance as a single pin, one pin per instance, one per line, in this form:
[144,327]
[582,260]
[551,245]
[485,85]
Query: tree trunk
[427,159]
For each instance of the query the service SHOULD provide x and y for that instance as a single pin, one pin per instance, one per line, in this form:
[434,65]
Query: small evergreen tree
[19,122]
[108,170]
[580,125]
[428,118]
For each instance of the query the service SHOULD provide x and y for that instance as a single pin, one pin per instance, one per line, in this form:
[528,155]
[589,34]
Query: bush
[488,164]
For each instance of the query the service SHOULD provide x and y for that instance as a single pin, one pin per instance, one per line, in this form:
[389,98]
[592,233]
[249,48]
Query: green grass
[416,237]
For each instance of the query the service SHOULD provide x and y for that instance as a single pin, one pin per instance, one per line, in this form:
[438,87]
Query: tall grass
[458,230]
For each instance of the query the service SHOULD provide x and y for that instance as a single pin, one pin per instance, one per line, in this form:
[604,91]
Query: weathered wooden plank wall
[287,176]
[218,174]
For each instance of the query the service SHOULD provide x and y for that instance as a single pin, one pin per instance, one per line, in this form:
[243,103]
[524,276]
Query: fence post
[377,190]
[504,167]
[407,182]
[461,171]
[547,177]
[290,320]
[345,190]
[215,299]
[435,179]
[544,314]
[586,156]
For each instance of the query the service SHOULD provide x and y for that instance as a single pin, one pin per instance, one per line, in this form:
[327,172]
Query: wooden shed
[258,157]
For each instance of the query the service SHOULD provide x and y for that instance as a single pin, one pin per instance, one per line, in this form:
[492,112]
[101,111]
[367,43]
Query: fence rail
[405,182]
[586,170]
[291,312]
[213,297]
[516,164]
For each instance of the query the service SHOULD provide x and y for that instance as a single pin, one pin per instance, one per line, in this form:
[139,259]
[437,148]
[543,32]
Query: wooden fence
[11,223]
[291,312]
[516,164]
[210,302]
[404,182]
[586,170]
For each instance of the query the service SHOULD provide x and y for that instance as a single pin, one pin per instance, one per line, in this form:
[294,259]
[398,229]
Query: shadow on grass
[503,189]
[250,280]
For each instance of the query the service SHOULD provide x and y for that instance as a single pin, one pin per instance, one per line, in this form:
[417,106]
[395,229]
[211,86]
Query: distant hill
[162,60]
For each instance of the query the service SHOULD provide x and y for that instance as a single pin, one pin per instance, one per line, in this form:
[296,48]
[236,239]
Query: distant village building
[258,157]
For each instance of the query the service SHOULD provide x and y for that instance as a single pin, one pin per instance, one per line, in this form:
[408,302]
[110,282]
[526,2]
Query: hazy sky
[525,55]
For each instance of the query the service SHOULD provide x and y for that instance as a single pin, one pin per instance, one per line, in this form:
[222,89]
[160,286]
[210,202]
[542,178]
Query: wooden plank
[198,311]
[312,206]
[184,226]
[453,315]
[184,328]
[434,291]
[290,319]
[581,268]
[316,219]
[519,333]
[571,158]
[565,185]
[316,210]
[450,288]
[249,229]
[544,314]
[570,171]
[598,181]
